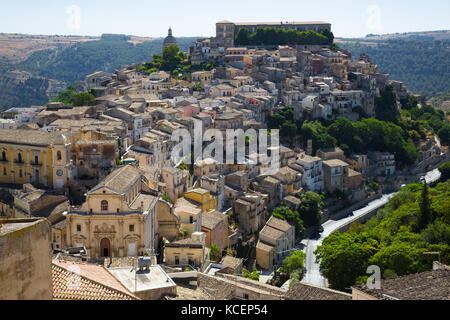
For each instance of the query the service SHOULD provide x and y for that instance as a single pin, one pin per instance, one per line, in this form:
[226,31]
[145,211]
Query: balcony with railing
[19,162]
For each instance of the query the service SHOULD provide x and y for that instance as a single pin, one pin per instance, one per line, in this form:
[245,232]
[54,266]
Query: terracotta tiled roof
[31,137]
[264,246]
[303,291]
[185,243]
[429,285]
[120,179]
[279,224]
[231,262]
[82,281]
[211,219]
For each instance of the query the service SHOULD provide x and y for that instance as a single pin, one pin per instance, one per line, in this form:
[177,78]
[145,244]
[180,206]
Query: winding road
[312,274]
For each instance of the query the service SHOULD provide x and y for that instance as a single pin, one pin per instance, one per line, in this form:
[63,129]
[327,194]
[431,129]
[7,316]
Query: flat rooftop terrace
[144,281]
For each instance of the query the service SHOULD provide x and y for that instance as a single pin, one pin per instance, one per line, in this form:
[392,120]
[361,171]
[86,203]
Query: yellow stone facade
[203,197]
[43,161]
[118,218]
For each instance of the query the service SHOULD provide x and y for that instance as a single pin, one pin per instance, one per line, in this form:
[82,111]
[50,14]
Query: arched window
[58,156]
[104,205]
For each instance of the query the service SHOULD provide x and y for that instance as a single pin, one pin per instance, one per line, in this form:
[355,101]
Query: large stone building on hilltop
[226,30]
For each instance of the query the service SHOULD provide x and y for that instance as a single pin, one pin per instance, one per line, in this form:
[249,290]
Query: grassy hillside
[424,66]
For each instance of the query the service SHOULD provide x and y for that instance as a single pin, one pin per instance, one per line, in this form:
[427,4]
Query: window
[245,296]
[104,205]
[58,156]
[19,156]
[4,155]
[54,237]
[191,219]
[4,171]
[36,160]
[20,173]
[79,227]
[131,227]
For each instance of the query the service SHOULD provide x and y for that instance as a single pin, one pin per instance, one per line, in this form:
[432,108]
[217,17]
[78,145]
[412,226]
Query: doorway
[105,247]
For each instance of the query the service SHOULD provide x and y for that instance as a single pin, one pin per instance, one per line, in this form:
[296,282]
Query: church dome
[170,40]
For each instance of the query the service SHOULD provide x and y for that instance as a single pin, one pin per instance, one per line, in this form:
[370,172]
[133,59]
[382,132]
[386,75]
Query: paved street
[312,274]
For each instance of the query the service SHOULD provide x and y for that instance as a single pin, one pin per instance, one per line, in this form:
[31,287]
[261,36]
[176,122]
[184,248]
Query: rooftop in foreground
[144,281]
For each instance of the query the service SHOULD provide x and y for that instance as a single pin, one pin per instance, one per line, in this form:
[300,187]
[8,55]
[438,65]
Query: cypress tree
[426,214]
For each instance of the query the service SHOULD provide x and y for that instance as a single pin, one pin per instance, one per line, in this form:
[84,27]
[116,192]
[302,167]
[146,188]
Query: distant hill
[49,65]
[420,60]
[421,35]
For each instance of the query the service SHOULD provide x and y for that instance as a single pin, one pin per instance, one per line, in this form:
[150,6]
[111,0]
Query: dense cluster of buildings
[104,179]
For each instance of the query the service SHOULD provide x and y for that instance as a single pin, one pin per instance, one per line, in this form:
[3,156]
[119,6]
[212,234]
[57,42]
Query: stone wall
[225,287]
[25,260]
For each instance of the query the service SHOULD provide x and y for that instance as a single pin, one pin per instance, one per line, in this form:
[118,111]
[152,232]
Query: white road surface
[312,274]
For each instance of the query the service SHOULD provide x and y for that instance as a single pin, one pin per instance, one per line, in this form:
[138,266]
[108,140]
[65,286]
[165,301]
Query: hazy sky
[198,17]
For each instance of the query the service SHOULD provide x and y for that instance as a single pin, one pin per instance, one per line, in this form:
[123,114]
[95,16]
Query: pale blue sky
[198,17]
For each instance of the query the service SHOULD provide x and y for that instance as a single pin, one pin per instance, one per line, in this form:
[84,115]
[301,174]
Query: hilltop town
[92,174]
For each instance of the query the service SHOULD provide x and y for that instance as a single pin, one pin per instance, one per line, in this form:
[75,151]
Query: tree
[444,133]
[318,134]
[294,262]
[171,58]
[437,232]
[399,257]
[272,36]
[409,103]
[426,214]
[242,37]
[215,253]
[343,258]
[310,208]
[293,217]
[66,96]
[445,171]
[253,275]
[83,99]
[288,129]
[386,105]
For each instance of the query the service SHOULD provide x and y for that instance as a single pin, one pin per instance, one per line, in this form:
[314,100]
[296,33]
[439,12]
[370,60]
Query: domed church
[169,40]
